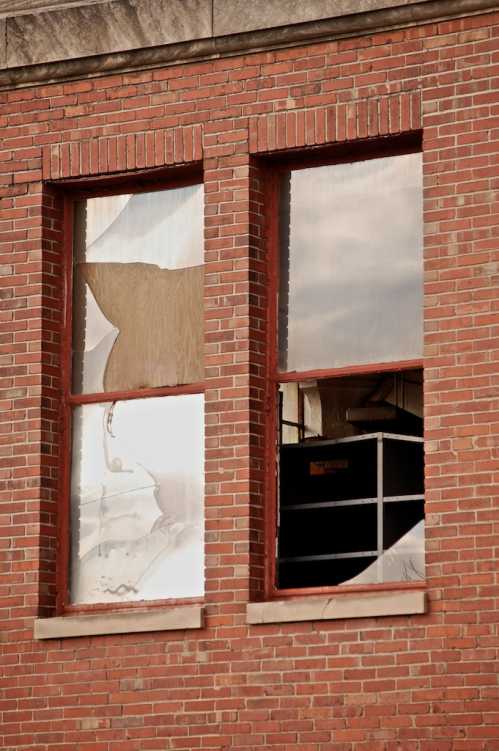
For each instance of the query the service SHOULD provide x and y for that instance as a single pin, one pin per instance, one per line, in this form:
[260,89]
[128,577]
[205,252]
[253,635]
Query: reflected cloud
[355,244]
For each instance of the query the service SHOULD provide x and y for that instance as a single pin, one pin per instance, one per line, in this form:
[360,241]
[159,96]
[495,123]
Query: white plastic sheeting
[137,514]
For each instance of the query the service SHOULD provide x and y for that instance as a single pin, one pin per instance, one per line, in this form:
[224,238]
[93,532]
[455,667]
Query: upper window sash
[351,268]
[137,315]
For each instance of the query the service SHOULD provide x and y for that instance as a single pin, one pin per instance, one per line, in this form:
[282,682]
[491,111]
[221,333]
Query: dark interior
[328,486]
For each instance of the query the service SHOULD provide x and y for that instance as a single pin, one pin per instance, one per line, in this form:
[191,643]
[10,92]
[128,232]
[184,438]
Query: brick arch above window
[117,153]
[346,121]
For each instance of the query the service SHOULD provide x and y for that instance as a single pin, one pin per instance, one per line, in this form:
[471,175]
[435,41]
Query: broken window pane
[351,268]
[137,500]
[163,228]
[403,561]
[351,501]
[138,291]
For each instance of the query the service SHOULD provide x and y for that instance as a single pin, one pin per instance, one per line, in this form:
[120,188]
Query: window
[134,399]
[347,378]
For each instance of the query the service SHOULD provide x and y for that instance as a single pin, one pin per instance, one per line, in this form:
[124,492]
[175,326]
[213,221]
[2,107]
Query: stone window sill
[175,618]
[334,607]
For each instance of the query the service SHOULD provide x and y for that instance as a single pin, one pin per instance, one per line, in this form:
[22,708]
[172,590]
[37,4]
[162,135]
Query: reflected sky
[355,264]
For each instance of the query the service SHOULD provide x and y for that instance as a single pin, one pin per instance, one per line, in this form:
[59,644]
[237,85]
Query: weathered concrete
[104,28]
[14,7]
[362,605]
[27,62]
[3,43]
[237,16]
[132,621]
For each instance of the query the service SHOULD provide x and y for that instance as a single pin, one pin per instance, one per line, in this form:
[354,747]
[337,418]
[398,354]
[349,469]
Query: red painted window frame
[71,192]
[276,166]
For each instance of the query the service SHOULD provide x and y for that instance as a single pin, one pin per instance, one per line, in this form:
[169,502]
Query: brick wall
[421,683]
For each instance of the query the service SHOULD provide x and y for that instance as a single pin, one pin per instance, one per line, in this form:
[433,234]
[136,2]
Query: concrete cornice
[205,44]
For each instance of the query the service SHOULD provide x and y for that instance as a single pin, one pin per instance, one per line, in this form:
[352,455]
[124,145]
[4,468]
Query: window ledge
[170,619]
[358,605]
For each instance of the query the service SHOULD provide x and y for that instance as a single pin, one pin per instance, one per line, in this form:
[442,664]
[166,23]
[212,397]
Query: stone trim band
[77,65]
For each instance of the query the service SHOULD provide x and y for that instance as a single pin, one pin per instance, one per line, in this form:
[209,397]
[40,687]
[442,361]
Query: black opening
[348,446]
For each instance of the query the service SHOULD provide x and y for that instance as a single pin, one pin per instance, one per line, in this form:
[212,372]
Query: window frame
[71,192]
[278,165]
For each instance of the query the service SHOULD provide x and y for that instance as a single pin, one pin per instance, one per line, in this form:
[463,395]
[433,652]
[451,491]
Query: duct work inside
[351,504]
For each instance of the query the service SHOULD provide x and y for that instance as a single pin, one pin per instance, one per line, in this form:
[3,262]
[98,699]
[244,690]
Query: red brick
[412,683]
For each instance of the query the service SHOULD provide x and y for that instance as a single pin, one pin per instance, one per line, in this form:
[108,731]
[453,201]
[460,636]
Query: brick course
[421,683]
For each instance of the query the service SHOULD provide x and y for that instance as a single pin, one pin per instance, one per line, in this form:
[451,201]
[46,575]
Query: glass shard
[403,561]
[137,500]
[351,271]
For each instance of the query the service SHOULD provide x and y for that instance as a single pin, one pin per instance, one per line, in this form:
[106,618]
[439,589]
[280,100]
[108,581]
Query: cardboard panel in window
[138,290]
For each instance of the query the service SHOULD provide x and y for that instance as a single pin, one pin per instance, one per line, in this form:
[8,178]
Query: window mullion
[114,396]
